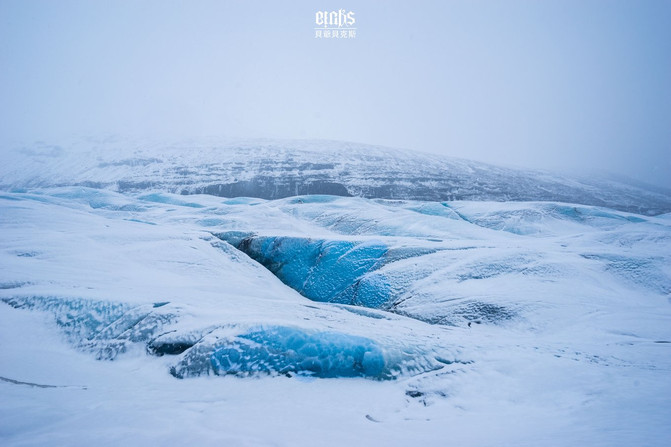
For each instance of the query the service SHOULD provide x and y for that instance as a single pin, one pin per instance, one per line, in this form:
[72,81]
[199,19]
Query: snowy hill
[276,169]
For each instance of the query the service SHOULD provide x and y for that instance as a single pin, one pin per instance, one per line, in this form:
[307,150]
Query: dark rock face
[270,188]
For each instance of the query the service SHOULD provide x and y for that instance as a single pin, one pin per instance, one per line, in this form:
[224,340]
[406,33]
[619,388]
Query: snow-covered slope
[276,169]
[399,322]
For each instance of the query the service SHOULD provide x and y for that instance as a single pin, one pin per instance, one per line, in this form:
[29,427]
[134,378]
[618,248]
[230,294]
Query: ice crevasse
[335,271]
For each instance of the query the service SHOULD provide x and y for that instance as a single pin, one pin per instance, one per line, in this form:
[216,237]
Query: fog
[578,85]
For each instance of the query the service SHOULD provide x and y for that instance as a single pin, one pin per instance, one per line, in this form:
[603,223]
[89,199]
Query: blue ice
[168,199]
[281,350]
[321,270]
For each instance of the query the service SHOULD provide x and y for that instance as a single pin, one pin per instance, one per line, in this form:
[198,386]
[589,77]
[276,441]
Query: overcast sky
[552,84]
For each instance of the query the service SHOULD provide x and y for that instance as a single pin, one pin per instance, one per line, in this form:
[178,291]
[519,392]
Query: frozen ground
[145,318]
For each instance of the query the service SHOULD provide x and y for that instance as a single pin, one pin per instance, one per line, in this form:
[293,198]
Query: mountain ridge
[273,169]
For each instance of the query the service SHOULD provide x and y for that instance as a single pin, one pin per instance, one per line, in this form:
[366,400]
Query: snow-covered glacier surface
[329,319]
[273,169]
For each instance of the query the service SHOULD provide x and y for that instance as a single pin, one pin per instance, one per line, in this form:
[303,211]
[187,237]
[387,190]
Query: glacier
[274,169]
[404,319]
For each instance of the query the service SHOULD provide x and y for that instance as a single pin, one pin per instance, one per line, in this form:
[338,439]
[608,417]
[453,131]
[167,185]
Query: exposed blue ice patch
[281,350]
[434,209]
[105,328]
[276,350]
[169,199]
[534,218]
[95,198]
[339,265]
[234,237]
[80,319]
[212,222]
[243,201]
[334,271]
[318,269]
[371,291]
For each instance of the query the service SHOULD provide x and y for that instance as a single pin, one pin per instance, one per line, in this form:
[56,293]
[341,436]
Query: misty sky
[554,84]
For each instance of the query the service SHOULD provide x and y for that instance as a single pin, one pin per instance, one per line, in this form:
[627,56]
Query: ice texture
[322,270]
[102,327]
[283,349]
[291,350]
[335,271]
